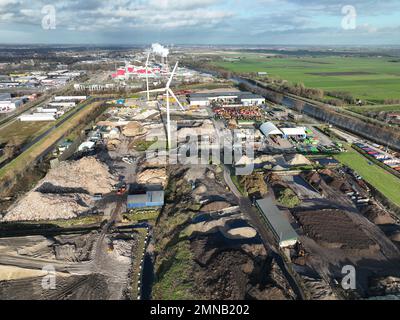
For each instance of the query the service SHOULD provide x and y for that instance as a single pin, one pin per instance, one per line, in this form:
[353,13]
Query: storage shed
[280,226]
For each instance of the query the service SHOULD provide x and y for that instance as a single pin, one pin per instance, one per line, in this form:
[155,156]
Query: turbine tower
[169,92]
[147,76]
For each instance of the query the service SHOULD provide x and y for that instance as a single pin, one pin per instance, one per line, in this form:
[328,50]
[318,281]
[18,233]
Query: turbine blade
[172,75]
[176,99]
[154,90]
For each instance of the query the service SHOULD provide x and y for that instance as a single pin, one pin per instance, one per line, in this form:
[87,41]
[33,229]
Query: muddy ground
[335,231]
[87,266]
[198,256]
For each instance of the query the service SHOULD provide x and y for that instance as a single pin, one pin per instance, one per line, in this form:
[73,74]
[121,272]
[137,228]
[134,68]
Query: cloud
[191,21]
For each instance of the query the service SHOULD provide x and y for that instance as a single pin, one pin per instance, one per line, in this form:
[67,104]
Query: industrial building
[11,104]
[294,132]
[62,104]
[46,110]
[38,117]
[37,79]
[5,96]
[146,200]
[243,98]
[70,98]
[270,129]
[280,226]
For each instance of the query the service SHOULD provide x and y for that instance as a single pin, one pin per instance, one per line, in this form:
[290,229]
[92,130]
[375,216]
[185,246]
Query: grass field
[176,280]
[375,108]
[21,131]
[382,180]
[373,79]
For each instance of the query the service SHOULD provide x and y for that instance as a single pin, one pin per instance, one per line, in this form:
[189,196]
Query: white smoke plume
[160,50]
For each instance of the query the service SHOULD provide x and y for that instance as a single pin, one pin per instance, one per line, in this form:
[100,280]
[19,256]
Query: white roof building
[269,129]
[62,104]
[298,131]
[69,98]
[87,145]
[10,105]
[38,117]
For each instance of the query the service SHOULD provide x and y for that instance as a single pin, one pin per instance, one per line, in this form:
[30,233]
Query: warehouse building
[69,98]
[46,110]
[5,96]
[38,117]
[270,129]
[294,132]
[250,99]
[11,104]
[280,226]
[62,104]
[146,200]
[243,98]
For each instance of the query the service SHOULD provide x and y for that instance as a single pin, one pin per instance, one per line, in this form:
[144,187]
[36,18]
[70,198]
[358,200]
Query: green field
[373,79]
[375,108]
[21,131]
[382,180]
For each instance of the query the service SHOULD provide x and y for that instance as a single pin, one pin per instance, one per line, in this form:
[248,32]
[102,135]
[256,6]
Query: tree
[299,105]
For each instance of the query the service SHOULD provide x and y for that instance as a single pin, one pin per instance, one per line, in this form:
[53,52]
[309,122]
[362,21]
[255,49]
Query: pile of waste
[153,176]
[133,129]
[65,193]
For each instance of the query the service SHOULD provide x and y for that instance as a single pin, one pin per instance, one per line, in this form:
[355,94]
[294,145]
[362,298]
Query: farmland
[375,108]
[372,79]
[382,180]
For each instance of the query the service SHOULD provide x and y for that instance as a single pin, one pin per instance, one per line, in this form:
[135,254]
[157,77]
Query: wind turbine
[169,92]
[147,76]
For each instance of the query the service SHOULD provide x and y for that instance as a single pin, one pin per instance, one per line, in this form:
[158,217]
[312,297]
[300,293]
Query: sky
[253,22]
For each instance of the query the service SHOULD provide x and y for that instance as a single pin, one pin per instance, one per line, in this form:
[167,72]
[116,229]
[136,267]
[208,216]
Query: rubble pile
[133,129]
[153,176]
[37,206]
[113,144]
[65,192]
[87,173]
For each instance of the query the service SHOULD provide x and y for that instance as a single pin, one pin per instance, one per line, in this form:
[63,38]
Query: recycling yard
[118,221]
[65,220]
